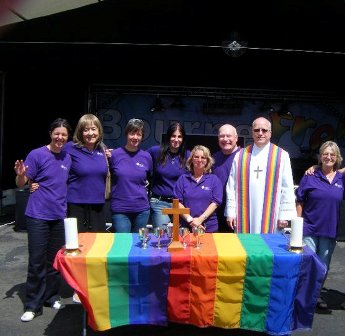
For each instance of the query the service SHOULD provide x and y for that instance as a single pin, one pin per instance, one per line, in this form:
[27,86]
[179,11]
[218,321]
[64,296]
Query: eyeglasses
[330,154]
[263,130]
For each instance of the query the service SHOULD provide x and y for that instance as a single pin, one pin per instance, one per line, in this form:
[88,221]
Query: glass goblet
[158,232]
[184,232]
[197,237]
[201,232]
[169,230]
[141,235]
[144,237]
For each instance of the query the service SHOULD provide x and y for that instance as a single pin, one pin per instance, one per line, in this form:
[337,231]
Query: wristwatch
[204,216]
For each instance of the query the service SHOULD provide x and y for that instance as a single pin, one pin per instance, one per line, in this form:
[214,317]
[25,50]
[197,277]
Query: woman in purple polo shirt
[86,182]
[319,198]
[199,190]
[45,212]
[87,174]
[130,167]
[169,163]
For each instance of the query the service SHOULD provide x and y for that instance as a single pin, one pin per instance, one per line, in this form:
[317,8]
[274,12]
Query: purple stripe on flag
[149,271]
[313,274]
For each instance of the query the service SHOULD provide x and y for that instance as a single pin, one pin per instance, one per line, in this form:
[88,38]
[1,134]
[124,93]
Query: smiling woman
[199,190]
[130,167]
[169,164]
[319,199]
[45,212]
[88,173]
[135,133]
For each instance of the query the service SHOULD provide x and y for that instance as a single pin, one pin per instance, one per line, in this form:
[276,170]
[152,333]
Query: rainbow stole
[271,186]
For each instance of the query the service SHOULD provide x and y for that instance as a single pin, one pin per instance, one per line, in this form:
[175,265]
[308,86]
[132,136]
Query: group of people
[67,179]
[145,182]
[242,190]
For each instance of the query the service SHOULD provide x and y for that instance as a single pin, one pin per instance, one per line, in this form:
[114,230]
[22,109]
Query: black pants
[222,226]
[90,217]
[45,238]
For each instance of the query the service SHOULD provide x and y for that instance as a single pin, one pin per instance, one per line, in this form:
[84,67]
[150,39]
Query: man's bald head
[261,131]
[227,138]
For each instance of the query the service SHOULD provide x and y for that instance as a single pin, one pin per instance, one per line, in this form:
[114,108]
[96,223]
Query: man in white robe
[263,200]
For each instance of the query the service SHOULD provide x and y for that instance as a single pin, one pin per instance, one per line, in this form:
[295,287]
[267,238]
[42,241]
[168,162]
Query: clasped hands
[196,222]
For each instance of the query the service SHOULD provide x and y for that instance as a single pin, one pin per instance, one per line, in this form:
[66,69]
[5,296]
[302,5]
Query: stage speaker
[22,196]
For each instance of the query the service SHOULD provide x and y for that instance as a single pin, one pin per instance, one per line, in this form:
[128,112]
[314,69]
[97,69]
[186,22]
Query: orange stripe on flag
[78,269]
[203,282]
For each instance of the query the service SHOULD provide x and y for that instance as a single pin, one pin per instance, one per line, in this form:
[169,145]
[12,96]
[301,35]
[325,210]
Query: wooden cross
[257,171]
[176,212]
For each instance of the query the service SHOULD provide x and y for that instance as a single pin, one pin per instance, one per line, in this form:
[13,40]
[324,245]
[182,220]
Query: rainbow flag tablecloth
[242,281]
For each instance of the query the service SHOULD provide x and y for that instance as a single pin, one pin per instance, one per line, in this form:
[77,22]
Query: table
[247,281]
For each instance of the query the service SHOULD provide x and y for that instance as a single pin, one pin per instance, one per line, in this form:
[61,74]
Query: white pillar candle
[296,236]
[71,233]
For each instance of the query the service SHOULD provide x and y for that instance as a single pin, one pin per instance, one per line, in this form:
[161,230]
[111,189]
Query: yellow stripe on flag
[97,278]
[230,280]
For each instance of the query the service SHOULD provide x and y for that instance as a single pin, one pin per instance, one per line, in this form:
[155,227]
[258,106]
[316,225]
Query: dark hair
[59,122]
[164,150]
[135,125]
[85,121]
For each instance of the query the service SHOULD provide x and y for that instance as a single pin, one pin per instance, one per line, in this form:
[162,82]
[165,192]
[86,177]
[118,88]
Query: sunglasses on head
[263,130]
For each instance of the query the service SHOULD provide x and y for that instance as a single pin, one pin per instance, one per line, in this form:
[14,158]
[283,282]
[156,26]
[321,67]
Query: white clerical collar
[257,149]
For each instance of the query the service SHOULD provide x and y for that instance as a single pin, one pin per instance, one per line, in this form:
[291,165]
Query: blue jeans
[158,219]
[45,238]
[322,246]
[129,222]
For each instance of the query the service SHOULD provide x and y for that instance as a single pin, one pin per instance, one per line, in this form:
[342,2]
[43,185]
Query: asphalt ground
[69,321]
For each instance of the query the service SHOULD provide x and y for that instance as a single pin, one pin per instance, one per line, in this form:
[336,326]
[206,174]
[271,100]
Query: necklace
[330,176]
[172,158]
[197,179]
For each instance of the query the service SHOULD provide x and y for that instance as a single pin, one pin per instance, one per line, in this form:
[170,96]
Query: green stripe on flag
[257,282]
[117,264]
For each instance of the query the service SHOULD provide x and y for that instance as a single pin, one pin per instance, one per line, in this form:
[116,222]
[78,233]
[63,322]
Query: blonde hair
[334,147]
[207,154]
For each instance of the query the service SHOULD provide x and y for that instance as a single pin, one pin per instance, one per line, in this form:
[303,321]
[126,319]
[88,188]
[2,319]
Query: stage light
[284,110]
[158,105]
